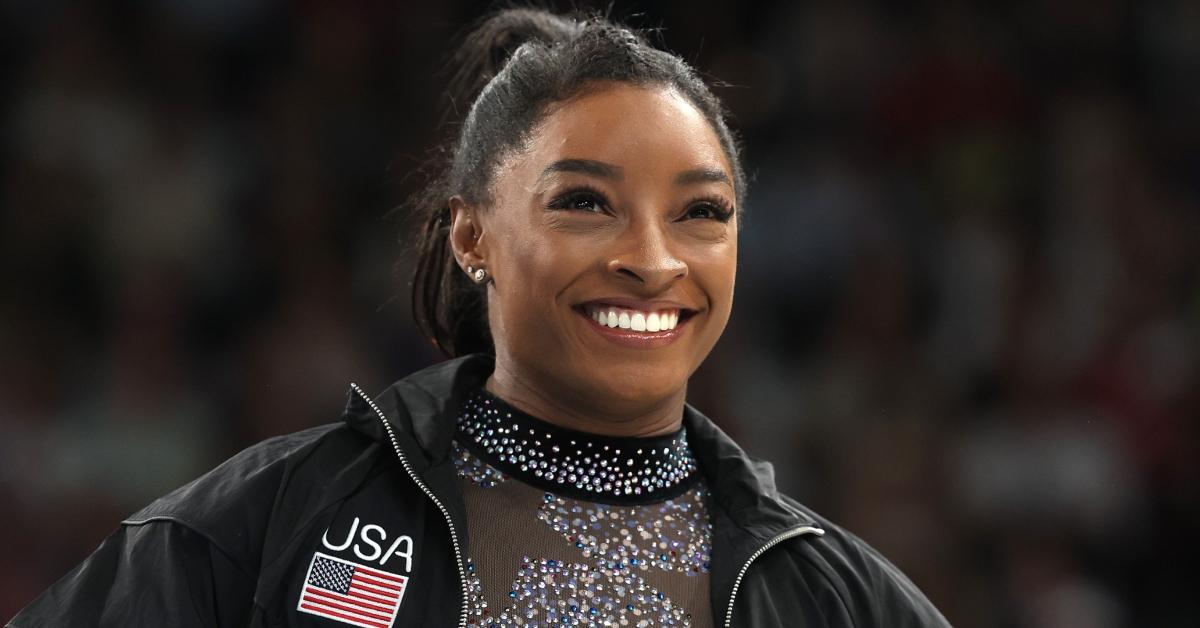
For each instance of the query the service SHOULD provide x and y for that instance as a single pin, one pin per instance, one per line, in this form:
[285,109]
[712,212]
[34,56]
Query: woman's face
[612,242]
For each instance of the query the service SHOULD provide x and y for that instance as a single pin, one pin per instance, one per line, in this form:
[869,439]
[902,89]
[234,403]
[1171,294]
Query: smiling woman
[620,205]
[578,260]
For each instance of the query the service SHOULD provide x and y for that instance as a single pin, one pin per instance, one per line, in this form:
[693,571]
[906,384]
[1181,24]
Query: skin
[645,229]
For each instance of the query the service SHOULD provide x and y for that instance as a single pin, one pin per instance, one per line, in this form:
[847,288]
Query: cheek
[716,270]
[534,272]
[536,267]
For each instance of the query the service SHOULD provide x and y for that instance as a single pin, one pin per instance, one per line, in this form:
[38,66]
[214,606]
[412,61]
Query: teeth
[634,320]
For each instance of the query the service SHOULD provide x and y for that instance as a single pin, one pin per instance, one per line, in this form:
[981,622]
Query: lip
[638,304]
[637,339]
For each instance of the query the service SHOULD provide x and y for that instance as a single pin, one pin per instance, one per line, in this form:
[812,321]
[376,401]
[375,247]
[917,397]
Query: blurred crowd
[968,298]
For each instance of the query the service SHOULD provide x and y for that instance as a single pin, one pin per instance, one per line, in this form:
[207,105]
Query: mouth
[634,324]
[637,320]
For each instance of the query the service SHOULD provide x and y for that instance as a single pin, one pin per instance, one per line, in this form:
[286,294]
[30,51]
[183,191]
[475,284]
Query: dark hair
[512,67]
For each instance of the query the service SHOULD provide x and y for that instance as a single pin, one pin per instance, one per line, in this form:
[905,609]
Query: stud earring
[480,275]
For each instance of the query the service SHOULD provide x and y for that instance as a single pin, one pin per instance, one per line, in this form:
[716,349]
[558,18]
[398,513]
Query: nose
[646,258]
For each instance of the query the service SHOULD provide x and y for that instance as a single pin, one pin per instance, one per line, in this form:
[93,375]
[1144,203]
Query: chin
[638,386]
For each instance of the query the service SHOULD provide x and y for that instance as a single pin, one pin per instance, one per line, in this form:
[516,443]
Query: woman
[585,235]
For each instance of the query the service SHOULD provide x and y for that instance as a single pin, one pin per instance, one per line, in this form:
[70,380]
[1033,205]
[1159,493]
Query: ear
[466,235]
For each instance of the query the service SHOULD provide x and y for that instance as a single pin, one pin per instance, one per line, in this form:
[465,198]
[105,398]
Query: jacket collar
[746,508]
[421,408]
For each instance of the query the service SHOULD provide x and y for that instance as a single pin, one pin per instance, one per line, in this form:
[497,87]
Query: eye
[582,200]
[710,209]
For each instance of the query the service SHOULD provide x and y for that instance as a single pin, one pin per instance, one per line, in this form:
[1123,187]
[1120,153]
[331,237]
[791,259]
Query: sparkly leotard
[573,529]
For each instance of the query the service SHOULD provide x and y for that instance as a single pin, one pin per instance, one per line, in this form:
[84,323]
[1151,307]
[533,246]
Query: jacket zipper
[458,558]
[737,583]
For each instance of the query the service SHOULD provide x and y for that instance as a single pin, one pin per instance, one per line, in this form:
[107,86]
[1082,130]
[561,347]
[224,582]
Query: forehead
[643,129]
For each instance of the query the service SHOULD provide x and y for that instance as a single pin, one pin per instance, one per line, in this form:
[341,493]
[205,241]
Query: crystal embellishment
[675,535]
[472,468]
[552,592]
[572,463]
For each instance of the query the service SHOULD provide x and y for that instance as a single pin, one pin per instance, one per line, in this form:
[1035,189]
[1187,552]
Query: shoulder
[249,474]
[291,475]
[184,572]
[198,549]
[870,587]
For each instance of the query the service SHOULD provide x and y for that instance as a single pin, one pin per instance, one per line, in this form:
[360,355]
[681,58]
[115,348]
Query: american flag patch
[351,593]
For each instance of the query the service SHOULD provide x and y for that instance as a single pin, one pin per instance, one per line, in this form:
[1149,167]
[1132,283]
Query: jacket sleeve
[155,573]
[879,594]
[898,601]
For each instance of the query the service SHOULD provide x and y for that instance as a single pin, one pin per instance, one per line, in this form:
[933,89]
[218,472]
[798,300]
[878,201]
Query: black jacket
[234,547]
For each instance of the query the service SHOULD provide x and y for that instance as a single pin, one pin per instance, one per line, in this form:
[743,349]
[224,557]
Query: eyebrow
[703,175]
[584,166]
[605,170]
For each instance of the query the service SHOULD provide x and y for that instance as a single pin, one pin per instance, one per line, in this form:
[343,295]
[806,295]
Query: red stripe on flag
[349,608]
[370,588]
[319,610]
[337,597]
[371,597]
[383,584]
[380,574]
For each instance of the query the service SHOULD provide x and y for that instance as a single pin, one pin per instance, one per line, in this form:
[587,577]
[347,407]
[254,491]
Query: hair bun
[489,46]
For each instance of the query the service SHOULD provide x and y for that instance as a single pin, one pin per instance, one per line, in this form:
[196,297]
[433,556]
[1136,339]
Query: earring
[480,275]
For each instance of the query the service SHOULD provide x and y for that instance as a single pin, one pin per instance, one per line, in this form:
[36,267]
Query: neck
[578,410]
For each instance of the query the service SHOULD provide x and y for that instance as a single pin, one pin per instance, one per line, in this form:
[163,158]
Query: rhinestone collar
[609,469]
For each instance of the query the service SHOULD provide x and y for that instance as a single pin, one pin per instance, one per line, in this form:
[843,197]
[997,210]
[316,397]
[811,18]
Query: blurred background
[969,292]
